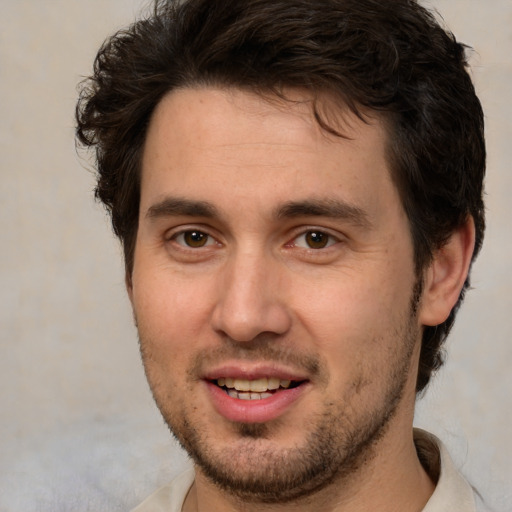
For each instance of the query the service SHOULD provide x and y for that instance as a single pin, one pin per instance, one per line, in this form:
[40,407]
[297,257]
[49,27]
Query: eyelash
[324,239]
[209,240]
[179,242]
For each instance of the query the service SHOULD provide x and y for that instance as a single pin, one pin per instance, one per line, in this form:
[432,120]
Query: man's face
[273,288]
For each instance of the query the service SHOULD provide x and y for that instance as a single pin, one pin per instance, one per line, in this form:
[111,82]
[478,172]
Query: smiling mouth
[258,389]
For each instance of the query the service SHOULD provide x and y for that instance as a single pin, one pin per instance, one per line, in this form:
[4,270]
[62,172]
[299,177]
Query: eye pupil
[316,239]
[195,238]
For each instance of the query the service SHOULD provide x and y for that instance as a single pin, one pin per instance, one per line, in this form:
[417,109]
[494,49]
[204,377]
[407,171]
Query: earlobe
[128,281]
[445,277]
[129,285]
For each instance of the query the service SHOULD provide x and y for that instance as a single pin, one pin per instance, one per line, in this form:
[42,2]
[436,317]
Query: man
[297,186]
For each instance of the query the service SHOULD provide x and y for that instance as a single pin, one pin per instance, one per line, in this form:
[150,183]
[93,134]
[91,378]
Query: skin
[253,295]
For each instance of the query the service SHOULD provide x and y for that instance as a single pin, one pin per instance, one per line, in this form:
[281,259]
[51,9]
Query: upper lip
[252,371]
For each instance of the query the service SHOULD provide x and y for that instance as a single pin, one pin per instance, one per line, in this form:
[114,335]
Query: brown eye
[193,239]
[316,239]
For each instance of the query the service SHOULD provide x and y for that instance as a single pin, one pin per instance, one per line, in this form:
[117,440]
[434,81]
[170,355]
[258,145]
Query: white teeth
[259,385]
[254,389]
[273,383]
[248,396]
[242,385]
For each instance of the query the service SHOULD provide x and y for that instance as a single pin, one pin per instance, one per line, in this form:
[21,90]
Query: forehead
[206,141]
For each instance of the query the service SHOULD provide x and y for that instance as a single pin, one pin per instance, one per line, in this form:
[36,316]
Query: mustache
[264,348]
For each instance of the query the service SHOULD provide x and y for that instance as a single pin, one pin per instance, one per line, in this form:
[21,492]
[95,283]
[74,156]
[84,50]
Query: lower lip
[253,411]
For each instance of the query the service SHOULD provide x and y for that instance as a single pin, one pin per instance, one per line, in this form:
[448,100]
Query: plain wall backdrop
[78,428]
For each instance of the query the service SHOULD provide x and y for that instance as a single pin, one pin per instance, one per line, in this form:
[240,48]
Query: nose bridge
[250,299]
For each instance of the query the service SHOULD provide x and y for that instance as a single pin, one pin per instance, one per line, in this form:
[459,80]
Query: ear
[445,276]
[129,289]
[129,285]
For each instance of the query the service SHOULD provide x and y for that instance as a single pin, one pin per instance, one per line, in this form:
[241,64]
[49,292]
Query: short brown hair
[392,57]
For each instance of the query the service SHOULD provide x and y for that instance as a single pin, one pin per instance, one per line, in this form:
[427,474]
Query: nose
[251,299]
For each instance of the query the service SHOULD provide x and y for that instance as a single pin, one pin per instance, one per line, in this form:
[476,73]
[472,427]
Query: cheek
[354,322]
[170,316]
[349,305]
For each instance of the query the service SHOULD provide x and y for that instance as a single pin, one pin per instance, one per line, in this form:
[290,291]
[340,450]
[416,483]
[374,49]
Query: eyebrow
[331,208]
[175,206]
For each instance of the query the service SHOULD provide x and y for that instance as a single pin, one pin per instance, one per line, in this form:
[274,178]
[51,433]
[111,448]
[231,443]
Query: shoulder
[452,491]
[169,498]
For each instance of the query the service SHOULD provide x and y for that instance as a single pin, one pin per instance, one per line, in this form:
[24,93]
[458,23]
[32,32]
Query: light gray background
[78,429]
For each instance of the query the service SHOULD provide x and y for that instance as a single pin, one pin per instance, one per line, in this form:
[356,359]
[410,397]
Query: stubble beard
[340,442]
